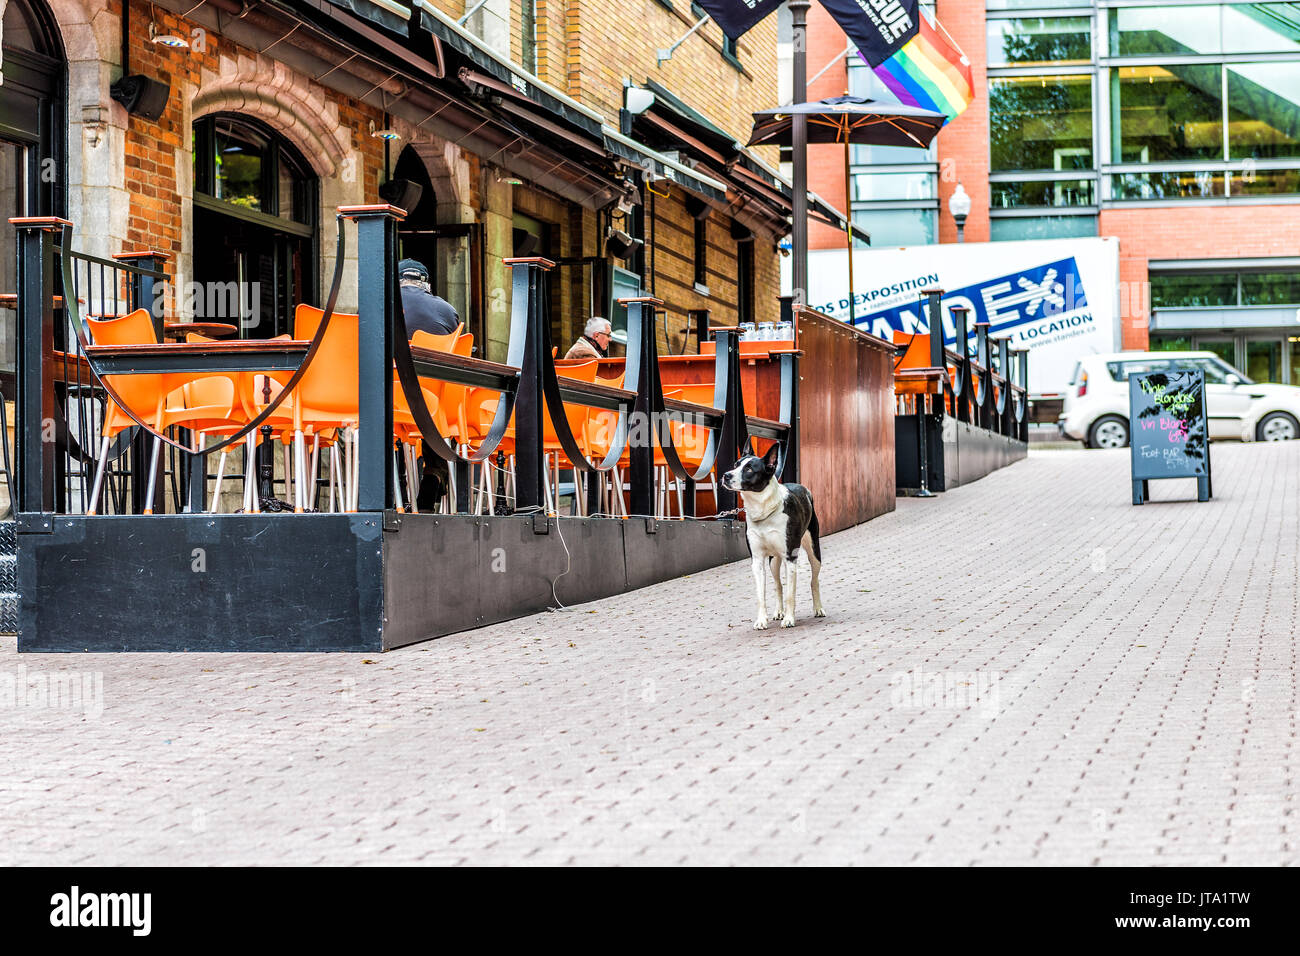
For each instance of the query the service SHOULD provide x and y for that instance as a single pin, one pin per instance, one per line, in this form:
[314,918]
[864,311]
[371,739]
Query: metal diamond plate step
[8,578]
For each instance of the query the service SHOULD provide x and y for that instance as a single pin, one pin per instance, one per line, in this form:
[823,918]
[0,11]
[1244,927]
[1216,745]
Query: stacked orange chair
[157,400]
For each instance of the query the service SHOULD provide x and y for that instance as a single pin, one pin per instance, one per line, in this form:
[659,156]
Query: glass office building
[1126,118]
[1127,103]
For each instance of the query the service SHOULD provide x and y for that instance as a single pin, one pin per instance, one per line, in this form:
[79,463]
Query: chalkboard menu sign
[1168,431]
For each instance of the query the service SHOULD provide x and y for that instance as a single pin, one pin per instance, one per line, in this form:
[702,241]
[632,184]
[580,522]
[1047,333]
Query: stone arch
[283,100]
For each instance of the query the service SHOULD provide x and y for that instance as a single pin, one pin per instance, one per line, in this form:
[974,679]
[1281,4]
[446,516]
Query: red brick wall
[1189,232]
[964,143]
[157,208]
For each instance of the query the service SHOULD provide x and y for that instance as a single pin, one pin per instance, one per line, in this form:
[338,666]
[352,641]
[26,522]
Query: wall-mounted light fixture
[167,39]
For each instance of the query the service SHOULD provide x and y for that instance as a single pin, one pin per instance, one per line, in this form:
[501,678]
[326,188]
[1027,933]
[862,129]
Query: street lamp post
[959,206]
[799,150]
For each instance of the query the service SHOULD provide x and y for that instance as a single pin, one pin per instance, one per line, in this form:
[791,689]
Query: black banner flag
[737,16]
[878,28]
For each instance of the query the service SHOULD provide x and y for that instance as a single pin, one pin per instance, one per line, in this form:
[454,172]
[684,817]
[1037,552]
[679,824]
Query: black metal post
[527,289]
[34,408]
[464,477]
[933,298]
[143,291]
[799,149]
[1024,383]
[961,345]
[984,405]
[923,444]
[733,425]
[1008,415]
[790,387]
[698,322]
[641,469]
[376,288]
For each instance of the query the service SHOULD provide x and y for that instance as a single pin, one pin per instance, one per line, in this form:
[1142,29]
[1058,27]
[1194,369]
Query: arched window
[255,237]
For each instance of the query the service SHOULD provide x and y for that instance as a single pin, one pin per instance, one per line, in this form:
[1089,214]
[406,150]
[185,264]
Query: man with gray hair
[594,343]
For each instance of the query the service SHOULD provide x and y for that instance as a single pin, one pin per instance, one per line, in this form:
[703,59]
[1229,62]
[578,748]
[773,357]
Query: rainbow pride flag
[930,72]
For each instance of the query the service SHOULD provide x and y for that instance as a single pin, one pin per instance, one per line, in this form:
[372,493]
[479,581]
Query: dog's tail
[816,540]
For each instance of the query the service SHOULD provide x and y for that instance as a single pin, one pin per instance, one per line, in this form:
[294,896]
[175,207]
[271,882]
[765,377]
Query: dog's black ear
[772,457]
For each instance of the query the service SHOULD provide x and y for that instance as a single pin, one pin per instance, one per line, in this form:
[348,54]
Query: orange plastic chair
[602,427]
[576,415]
[156,399]
[689,440]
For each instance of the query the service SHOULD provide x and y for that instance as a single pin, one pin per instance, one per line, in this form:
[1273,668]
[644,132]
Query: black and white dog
[781,527]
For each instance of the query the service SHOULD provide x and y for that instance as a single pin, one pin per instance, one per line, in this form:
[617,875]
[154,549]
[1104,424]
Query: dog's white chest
[768,535]
[768,538]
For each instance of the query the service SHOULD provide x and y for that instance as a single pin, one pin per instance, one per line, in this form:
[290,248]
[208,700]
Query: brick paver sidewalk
[1025,670]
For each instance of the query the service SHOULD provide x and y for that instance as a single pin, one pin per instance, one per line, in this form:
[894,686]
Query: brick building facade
[513,124]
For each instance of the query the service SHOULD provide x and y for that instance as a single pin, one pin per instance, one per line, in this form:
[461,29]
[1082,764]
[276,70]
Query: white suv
[1096,403]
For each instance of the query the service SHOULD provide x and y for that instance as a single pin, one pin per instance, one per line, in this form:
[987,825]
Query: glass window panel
[285,208]
[1169,113]
[1191,184]
[1031,4]
[1169,343]
[889,155]
[1061,192]
[1261,28]
[15,200]
[1225,349]
[1193,291]
[1034,40]
[239,166]
[864,82]
[1042,227]
[1270,288]
[1263,110]
[1040,122]
[868,186]
[897,227]
[1153,31]
[1264,360]
[1265,182]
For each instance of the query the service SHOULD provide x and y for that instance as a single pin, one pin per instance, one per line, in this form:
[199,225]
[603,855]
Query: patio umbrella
[849,120]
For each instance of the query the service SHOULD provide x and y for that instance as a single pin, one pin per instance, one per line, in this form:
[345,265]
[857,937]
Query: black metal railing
[58,358]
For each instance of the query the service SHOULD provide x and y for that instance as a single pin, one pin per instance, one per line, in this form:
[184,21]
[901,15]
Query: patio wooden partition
[846,420]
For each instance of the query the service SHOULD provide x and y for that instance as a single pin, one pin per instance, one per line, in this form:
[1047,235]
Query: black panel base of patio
[332,582]
[957,453]
[972,409]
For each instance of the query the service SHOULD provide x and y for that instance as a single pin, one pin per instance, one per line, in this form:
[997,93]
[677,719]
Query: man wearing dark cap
[425,312]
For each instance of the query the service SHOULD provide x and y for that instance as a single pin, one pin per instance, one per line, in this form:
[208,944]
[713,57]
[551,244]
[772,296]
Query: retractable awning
[663,167]
[388,14]
[493,71]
